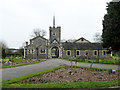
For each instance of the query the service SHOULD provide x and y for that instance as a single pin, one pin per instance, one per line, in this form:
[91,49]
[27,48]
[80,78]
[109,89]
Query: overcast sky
[77,18]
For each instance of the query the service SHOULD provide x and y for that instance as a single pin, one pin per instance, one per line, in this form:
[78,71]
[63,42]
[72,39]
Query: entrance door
[55,52]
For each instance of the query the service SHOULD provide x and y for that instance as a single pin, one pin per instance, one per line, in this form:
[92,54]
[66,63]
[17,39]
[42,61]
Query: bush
[101,61]
[3,61]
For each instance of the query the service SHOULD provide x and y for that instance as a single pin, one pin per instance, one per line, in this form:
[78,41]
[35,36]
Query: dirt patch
[73,75]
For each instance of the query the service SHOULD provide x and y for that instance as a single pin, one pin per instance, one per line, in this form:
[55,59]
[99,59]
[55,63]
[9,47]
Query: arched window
[95,52]
[42,51]
[25,51]
[29,51]
[77,52]
[68,52]
[32,51]
[104,52]
[86,52]
[54,33]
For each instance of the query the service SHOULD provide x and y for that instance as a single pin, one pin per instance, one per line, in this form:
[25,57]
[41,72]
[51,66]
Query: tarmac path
[8,73]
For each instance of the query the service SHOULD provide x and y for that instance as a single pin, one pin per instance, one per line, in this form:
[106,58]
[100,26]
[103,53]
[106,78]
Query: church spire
[54,21]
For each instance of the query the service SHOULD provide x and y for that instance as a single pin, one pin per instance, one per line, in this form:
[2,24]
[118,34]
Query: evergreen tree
[3,53]
[21,51]
[111,26]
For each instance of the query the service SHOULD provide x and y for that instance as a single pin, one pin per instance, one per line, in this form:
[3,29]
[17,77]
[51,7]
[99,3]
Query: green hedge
[100,61]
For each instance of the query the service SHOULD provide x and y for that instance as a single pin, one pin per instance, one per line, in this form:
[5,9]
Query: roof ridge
[37,37]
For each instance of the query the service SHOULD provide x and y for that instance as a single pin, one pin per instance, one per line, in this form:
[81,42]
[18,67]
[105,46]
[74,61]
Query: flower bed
[31,80]
[73,75]
[20,63]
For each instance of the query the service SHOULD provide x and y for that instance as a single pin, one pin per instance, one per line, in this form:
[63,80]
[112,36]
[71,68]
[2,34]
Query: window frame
[42,52]
[54,33]
[77,51]
[86,52]
[32,51]
[26,52]
[104,54]
[96,53]
[29,51]
[67,52]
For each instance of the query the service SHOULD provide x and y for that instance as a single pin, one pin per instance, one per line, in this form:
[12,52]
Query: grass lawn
[10,82]
[53,53]
[100,61]
[17,59]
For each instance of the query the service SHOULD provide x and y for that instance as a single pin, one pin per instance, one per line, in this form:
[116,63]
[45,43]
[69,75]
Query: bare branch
[97,38]
[38,32]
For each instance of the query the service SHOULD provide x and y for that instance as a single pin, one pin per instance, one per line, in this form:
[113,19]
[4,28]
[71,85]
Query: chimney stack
[26,43]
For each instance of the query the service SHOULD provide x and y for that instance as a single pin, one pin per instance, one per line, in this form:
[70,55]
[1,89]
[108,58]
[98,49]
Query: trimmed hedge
[100,61]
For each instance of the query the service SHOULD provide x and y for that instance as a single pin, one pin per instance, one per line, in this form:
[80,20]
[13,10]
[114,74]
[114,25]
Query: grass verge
[22,64]
[100,61]
[93,84]
[66,85]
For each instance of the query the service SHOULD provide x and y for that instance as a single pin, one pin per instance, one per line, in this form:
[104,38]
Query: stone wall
[83,55]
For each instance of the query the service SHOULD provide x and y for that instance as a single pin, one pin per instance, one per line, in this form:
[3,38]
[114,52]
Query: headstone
[113,71]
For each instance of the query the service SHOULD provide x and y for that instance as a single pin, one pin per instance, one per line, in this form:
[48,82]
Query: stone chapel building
[42,48]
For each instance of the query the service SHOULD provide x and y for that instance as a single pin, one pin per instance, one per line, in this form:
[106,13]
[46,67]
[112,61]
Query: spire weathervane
[54,21]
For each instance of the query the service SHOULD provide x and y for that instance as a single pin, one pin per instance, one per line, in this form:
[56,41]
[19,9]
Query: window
[37,51]
[54,33]
[42,51]
[69,53]
[104,52]
[95,52]
[87,52]
[82,39]
[77,52]
[32,51]
[29,51]
[25,51]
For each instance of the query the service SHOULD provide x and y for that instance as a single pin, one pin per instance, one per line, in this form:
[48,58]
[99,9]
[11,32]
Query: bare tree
[3,44]
[38,32]
[97,38]
[71,40]
[63,40]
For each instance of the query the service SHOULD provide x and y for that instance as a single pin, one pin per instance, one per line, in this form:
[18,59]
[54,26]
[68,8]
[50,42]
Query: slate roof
[81,39]
[82,46]
[38,37]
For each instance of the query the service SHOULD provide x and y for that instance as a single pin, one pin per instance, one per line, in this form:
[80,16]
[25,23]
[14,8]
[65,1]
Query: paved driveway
[9,73]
